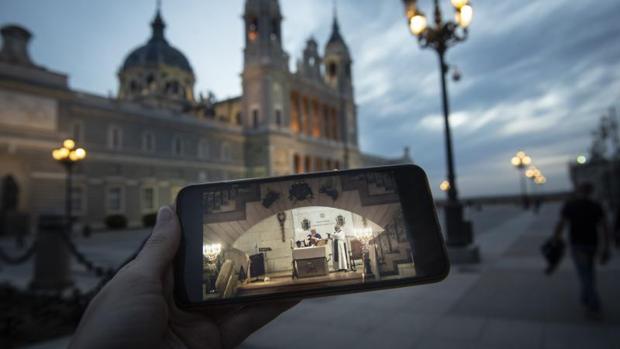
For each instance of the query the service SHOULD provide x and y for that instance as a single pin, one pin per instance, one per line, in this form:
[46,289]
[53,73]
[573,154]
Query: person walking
[586,221]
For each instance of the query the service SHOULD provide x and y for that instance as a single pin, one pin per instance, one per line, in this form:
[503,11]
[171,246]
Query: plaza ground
[504,302]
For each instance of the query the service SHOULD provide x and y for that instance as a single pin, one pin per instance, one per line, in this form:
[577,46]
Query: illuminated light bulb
[581,159]
[515,161]
[211,251]
[464,16]
[520,154]
[81,153]
[526,160]
[444,186]
[69,144]
[63,153]
[458,4]
[56,154]
[417,24]
[73,156]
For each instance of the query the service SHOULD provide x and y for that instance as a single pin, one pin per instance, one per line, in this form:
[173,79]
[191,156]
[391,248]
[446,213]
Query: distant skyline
[537,75]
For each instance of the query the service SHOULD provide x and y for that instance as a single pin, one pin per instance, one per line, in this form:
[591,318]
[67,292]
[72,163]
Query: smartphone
[307,235]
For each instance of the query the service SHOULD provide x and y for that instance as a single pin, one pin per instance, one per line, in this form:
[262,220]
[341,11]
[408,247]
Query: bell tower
[264,83]
[338,62]
[338,75]
[263,34]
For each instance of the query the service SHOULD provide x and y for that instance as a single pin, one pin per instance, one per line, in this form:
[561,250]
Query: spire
[335,26]
[335,36]
[158,24]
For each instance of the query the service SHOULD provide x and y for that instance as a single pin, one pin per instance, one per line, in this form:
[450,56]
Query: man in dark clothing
[586,218]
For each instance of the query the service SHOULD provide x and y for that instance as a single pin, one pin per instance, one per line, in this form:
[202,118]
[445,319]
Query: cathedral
[155,136]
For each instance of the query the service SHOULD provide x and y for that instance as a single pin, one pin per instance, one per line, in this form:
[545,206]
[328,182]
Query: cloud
[536,75]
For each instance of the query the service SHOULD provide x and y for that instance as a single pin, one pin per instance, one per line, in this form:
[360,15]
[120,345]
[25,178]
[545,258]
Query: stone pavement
[504,302]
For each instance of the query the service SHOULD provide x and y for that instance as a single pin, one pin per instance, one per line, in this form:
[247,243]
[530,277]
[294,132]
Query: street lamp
[68,155]
[444,185]
[439,37]
[520,161]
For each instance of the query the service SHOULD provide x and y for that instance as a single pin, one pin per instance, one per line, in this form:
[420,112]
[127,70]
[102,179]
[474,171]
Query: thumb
[161,247]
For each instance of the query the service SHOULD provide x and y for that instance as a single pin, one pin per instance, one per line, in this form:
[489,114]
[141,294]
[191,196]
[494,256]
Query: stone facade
[155,137]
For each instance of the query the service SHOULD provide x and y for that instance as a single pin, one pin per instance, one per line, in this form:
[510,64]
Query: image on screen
[286,236]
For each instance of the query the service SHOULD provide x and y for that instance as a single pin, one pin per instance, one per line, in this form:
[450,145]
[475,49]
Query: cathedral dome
[157,73]
[157,51]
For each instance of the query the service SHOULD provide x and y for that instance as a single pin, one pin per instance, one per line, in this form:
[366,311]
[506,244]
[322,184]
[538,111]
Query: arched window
[331,69]
[255,119]
[134,86]
[150,81]
[278,117]
[253,29]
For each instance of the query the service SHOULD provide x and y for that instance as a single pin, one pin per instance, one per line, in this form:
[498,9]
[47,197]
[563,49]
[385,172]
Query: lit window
[253,29]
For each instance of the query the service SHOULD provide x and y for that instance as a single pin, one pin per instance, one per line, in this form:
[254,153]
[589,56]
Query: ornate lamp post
[520,161]
[68,155]
[439,37]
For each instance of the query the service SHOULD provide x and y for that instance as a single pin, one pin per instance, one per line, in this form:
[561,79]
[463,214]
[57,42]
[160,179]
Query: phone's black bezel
[418,212]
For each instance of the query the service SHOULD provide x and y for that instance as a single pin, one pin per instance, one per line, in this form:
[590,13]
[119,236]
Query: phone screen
[277,237]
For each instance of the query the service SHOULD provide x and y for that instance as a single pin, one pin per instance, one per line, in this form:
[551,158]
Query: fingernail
[164,214]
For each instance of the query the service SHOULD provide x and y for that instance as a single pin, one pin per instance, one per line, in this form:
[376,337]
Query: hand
[136,308]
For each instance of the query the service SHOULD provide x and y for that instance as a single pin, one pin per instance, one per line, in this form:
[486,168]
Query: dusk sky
[537,75]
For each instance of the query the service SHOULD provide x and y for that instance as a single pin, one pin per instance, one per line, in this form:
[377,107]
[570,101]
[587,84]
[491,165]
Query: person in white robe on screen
[340,253]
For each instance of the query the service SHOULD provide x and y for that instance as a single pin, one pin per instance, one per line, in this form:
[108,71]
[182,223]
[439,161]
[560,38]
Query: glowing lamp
[417,24]
[444,186]
[211,251]
[458,4]
[69,144]
[464,16]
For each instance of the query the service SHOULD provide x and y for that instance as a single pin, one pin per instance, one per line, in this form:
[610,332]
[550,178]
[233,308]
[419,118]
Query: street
[506,301]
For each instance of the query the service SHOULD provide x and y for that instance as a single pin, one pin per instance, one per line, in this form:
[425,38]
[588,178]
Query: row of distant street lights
[524,164]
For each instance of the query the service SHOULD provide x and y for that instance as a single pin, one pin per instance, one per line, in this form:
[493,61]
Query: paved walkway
[504,302]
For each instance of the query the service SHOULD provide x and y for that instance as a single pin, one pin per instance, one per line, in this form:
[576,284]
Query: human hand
[136,309]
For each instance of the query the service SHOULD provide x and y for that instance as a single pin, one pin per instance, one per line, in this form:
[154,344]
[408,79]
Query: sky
[536,75]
